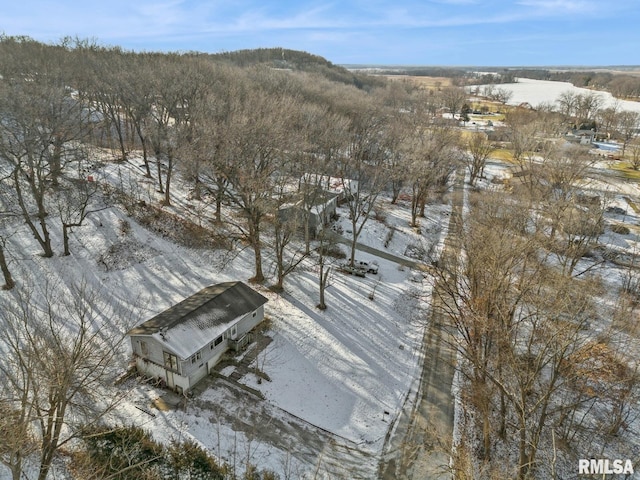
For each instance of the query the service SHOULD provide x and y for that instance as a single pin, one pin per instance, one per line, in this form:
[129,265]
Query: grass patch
[503,154]
[486,118]
[626,170]
[632,204]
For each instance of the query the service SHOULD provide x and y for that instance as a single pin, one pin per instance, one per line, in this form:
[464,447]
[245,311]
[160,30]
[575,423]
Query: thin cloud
[372,30]
[561,7]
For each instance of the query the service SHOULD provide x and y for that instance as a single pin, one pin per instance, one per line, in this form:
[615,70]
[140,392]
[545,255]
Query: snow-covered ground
[338,377]
[536,92]
[341,374]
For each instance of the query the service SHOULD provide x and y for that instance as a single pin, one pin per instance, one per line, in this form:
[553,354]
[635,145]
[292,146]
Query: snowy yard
[341,374]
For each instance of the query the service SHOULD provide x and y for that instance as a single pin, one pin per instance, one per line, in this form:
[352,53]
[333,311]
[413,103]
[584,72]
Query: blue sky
[401,32]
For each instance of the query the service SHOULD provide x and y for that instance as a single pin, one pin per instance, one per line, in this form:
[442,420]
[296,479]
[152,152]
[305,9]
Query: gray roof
[208,312]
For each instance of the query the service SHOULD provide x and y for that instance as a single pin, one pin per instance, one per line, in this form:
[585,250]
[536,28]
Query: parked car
[357,271]
[369,267]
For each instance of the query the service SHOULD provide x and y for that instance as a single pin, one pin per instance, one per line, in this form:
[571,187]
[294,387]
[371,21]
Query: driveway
[418,445]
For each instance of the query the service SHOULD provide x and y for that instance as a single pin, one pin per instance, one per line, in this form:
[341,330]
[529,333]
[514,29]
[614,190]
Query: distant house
[582,137]
[182,344]
[317,212]
[342,187]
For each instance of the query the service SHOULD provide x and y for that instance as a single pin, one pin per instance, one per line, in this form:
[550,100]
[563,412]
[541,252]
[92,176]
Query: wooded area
[549,369]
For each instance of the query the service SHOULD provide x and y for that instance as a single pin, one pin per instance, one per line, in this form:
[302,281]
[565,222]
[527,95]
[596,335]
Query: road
[380,253]
[419,444]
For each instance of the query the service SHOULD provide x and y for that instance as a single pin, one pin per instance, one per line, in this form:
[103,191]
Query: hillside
[286,59]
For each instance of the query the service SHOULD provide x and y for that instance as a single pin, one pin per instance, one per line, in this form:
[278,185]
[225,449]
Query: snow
[335,372]
[537,92]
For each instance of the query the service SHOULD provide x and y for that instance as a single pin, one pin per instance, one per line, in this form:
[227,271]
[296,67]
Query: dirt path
[419,443]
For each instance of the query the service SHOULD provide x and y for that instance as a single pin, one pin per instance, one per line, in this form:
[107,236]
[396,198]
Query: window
[144,348]
[216,342]
[234,332]
[254,314]
[170,361]
[195,358]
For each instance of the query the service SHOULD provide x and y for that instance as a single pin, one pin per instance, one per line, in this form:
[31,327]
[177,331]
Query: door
[170,381]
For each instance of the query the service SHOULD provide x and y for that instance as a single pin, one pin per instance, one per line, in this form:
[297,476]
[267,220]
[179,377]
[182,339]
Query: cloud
[561,7]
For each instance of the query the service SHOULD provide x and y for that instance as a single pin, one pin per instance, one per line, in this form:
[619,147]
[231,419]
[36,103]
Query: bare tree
[453,98]
[326,247]
[627,126]
[432,156]
[326,135]
[74,201]
[568,104]
[587,107]
[104,92]
[137,99]
[9,283]
[257,152]
[5,217]
[361,171]
[606,119]
[479,149]
[40,130]
[57,359]
[502,95]
[286,226]
[634,158]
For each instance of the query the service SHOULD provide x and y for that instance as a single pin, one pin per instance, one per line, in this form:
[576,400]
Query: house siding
[155,351]
[249,321]
[150,344]
[153,370]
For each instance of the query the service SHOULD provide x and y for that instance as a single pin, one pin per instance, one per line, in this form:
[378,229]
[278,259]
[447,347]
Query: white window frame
[196,357]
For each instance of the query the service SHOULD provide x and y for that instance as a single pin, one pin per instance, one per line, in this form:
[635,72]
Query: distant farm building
[181,345]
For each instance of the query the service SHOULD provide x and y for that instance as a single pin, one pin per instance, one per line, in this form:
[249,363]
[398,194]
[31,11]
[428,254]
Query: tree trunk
[254,238]
[523,462]
[65,239]
[167,181]
[220,188]
[259,276]
[145,156]
[8,279]
[486,431]
[396,186]
[159,169]
[44,239]
[51,436]
[323,284]
[56,163]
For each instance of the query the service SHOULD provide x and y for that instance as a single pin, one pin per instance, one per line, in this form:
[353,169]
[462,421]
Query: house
[582,137]
[181,345]
[343,188]
[317,211]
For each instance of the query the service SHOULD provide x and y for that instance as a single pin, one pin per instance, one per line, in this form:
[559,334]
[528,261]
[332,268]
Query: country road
[420,441]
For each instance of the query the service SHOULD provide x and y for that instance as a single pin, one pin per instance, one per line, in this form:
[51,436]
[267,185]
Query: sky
[381,32]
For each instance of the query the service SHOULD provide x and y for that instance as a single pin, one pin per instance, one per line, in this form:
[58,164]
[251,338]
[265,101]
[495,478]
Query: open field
[423,82]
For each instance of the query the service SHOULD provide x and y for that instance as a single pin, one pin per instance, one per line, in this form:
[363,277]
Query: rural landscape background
[492,332]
